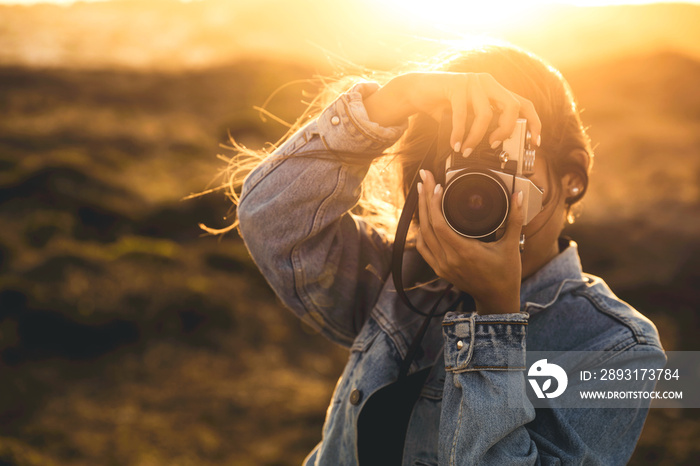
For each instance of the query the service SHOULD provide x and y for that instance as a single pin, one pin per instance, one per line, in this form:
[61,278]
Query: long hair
[565,145]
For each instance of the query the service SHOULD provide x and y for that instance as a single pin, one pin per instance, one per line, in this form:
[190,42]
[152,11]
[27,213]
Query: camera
[476,199]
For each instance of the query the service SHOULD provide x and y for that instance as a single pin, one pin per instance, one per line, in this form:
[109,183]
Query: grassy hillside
[128,338]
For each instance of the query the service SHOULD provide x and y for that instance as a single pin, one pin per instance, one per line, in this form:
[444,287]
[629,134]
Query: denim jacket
[333,271]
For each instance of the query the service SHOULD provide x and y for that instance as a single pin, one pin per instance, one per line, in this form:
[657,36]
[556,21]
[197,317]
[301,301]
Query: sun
[498,18]
[466,16]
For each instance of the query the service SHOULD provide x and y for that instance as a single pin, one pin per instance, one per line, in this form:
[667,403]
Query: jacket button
[460,344]
[335,121]
[355,396]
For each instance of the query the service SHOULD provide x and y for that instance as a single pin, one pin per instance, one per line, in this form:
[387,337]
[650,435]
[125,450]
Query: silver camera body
[476,199]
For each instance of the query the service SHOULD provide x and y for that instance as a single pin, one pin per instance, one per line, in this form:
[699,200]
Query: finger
[426,228]
[428,186]
[444,234]
[458,102]
[507,104]
[510,110]
[527,110]
[514,224]
[482,115]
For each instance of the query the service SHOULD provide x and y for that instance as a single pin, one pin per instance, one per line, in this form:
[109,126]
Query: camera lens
[475,204]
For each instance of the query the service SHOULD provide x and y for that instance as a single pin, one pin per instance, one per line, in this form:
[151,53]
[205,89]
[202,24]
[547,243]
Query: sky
[374,33]
[569,2]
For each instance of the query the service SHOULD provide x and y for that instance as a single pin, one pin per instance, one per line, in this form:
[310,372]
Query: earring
[574,190]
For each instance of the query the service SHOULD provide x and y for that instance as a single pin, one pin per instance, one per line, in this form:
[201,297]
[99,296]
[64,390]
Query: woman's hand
[411,93]
[489,272]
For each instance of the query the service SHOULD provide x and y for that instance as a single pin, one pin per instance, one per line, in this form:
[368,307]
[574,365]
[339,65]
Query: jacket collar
[559,275]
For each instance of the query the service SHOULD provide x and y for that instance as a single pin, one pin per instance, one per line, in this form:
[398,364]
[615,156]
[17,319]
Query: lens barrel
[475,203]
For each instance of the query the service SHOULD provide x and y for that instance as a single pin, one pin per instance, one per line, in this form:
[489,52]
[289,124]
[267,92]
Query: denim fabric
[333,271]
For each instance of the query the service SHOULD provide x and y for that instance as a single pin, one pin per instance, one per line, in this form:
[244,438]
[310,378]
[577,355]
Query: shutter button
[335,121]
[355,396]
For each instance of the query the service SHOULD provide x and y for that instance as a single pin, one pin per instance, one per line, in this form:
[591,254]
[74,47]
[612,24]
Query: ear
[572,184]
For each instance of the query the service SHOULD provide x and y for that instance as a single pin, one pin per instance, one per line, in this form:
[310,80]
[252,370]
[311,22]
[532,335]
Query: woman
[332,267]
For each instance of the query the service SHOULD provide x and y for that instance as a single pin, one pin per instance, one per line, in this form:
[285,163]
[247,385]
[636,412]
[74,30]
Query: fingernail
[419,186]
[458,146]
[437,189]
[467,151]
[495,144]
[519,199]
[539,140]
[422,175]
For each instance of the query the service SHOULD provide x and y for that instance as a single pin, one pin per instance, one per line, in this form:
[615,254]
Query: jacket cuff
[484,342]
[345,126]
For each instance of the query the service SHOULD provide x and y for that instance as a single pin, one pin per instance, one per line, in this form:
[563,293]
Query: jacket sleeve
[486,418]
[325,264]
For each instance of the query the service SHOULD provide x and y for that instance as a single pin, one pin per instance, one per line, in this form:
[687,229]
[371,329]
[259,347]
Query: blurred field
[126,337]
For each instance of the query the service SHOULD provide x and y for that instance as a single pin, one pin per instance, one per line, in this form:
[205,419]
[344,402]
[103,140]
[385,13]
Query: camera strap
[402,228]
[409,209]
[436,148]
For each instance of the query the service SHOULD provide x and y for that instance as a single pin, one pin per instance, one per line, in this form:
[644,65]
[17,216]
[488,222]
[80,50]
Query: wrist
[390,105]
[498,305]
